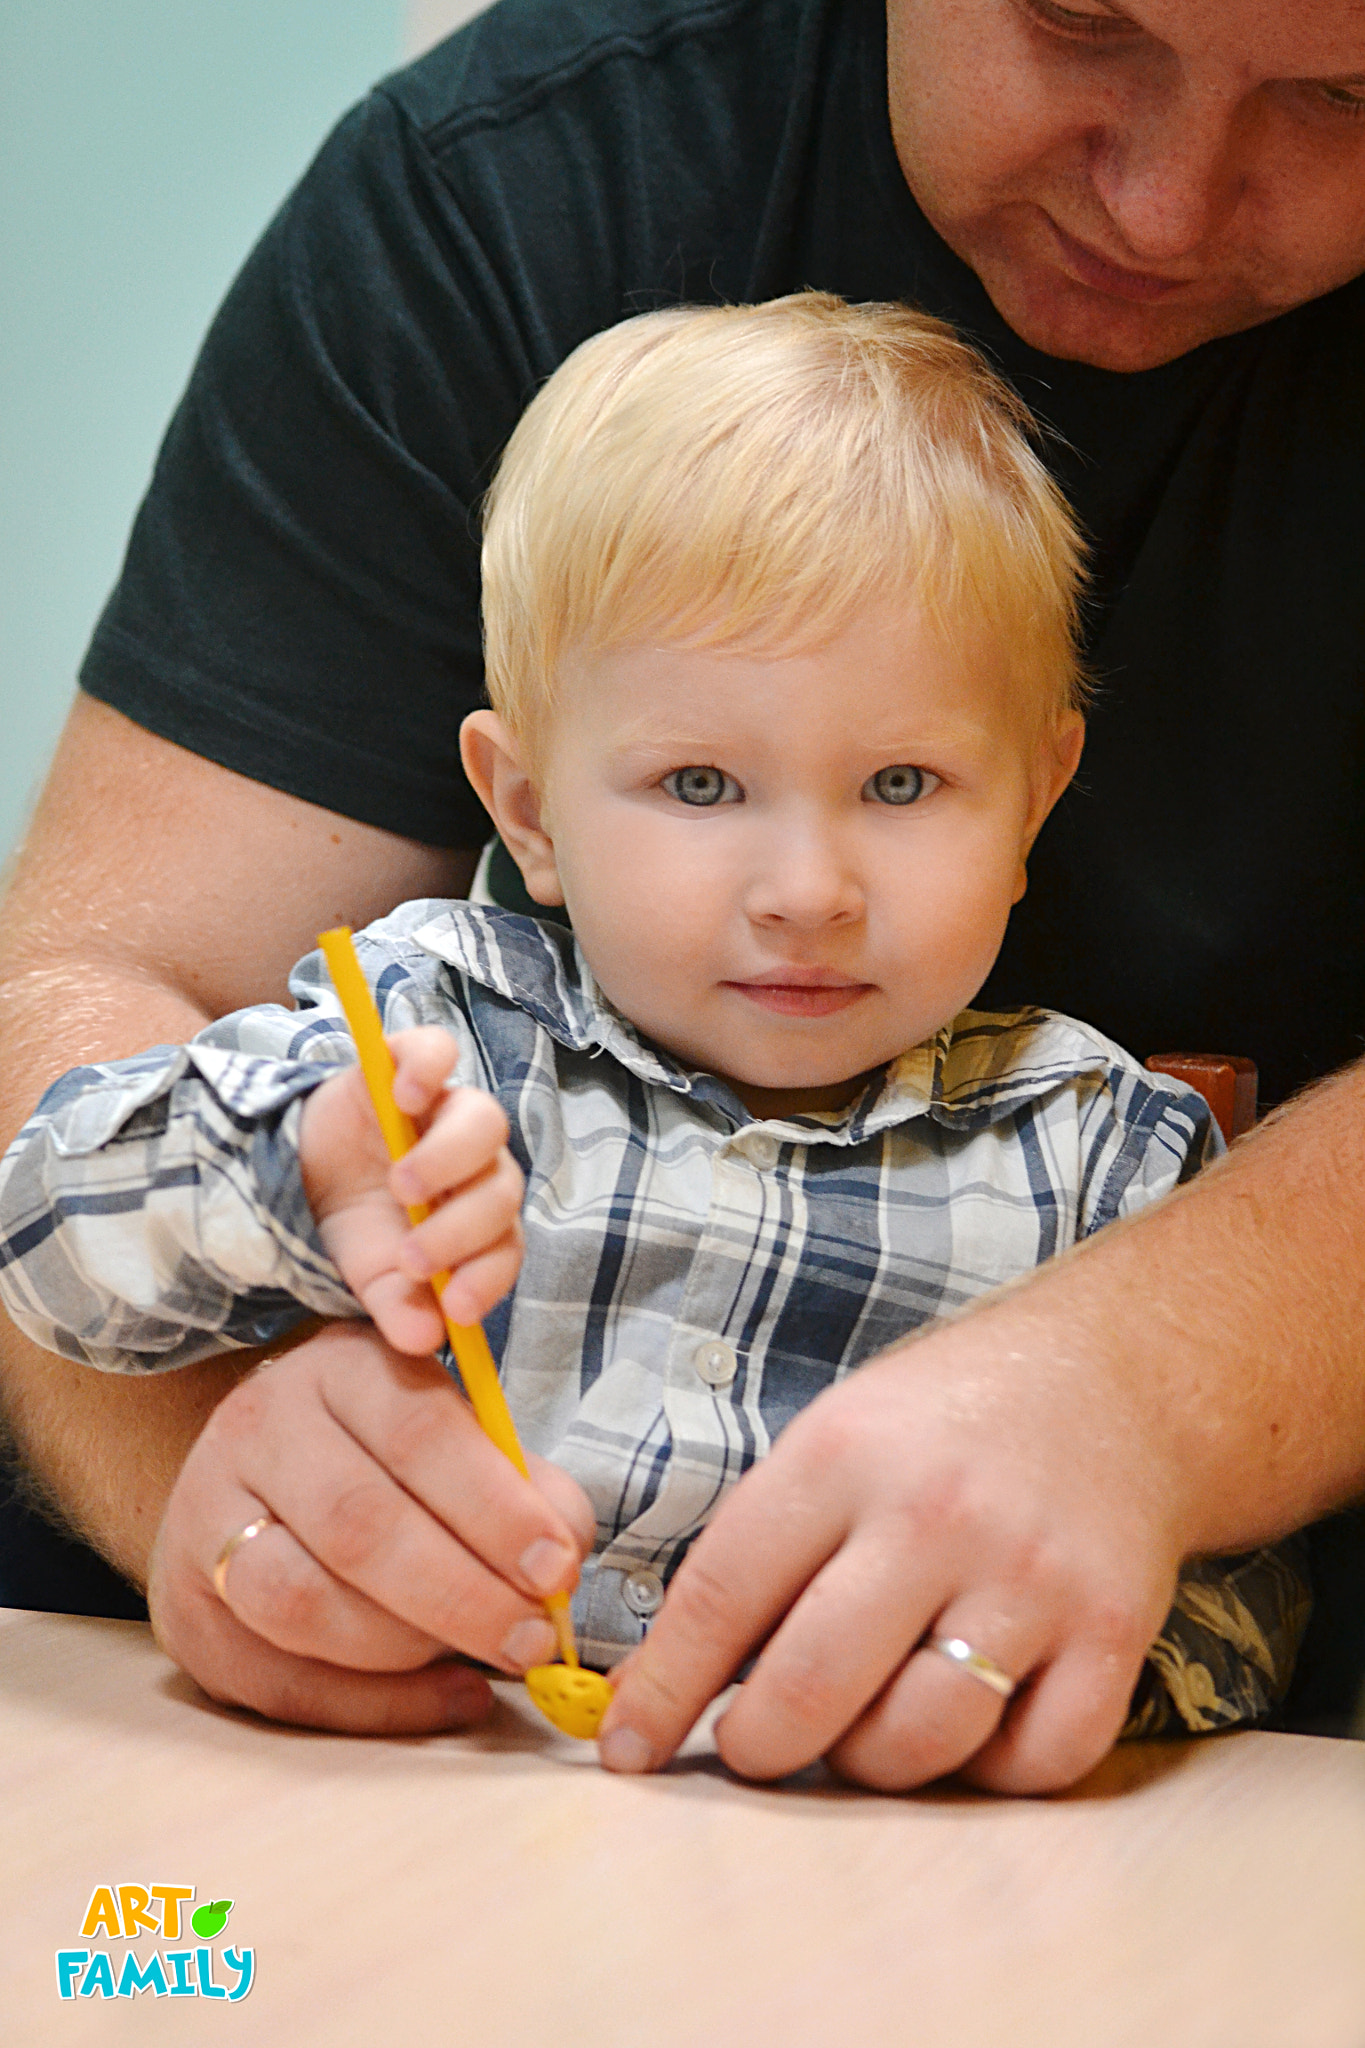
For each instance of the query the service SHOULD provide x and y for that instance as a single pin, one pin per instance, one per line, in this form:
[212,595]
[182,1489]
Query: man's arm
[156,890]
[1028,1478]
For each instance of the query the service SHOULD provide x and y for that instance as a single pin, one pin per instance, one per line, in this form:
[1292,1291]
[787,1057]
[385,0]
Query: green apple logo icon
[210,1920]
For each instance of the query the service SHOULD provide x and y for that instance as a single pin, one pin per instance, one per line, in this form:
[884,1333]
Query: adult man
[1153,217]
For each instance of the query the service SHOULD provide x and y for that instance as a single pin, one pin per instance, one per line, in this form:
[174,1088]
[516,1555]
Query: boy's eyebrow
[892,744]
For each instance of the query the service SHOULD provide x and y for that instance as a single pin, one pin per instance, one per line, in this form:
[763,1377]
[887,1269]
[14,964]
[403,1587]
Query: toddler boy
[781,639]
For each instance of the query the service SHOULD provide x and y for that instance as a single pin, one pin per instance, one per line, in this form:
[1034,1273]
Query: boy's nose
[805,883]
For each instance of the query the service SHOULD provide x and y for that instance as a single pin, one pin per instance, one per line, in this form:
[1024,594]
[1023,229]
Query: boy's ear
[492,761]
[1057,759]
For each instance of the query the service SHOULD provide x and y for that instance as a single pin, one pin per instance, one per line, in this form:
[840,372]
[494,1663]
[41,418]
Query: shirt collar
[977,1070]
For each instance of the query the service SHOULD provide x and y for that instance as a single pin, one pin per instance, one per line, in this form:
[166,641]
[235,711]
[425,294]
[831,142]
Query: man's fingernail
[624,1750]
[545,1564]
[530,1642]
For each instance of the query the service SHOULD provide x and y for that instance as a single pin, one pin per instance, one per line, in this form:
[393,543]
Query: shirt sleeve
[1142,1135]
[152,1211]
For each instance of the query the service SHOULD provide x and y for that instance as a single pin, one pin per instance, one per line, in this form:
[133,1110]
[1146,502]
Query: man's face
[1130,180]
[788,869]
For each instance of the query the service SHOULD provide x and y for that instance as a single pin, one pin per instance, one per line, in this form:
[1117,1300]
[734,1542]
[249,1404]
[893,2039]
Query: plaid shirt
[693,1275]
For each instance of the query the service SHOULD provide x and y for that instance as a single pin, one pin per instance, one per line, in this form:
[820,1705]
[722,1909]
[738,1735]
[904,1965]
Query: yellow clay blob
[574,1700]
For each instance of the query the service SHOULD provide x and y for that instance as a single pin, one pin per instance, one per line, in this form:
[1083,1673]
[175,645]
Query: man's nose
[1171,171]
[806,880]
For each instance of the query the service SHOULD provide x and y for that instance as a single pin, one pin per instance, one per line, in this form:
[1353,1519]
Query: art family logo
[125,1912]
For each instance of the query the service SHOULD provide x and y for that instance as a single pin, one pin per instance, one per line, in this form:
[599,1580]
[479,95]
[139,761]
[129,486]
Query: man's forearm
[101,1450]
[1227,1324]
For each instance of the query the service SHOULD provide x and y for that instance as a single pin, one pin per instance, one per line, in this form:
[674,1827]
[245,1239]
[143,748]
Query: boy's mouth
[802,991]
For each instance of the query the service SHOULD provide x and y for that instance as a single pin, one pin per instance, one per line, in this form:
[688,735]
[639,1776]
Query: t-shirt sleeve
[300,597]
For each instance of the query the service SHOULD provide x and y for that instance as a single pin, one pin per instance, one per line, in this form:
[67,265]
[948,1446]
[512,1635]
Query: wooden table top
[498,1888]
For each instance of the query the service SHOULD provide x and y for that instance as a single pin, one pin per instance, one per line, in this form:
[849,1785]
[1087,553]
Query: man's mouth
[802,991]
[1114,279]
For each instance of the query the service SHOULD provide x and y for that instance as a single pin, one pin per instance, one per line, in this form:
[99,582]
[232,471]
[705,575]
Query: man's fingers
[414,1426]
[565,1495]
[718,1608]
[849,1632]
[283,1595]
[233,1664]
[367,1532]
[937,1712]
[1062,1725]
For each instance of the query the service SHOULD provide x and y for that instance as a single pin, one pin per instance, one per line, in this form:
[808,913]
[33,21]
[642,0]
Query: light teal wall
[143,144]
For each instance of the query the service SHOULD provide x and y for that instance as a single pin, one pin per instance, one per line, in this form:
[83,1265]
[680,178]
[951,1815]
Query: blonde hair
[756,476]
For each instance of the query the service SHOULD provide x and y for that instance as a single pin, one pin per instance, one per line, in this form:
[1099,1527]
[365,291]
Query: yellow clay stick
[467,1341]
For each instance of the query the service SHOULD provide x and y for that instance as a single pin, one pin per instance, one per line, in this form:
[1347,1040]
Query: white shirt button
[715,1362]
[762,1148]
[643,1592]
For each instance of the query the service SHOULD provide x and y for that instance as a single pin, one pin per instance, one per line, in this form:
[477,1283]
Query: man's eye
[899,785]
[1077,21]
[702,786]
[1344,99]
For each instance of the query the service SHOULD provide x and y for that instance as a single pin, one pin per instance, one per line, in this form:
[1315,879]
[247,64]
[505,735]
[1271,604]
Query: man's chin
[1076,323]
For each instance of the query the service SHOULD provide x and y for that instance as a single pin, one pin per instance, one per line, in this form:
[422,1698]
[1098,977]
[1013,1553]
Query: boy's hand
[396,1533]
[945,1490]
[460,1167]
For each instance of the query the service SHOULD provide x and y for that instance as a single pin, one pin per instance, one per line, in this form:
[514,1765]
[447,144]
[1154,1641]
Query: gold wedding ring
[230,1549]
[975,1662]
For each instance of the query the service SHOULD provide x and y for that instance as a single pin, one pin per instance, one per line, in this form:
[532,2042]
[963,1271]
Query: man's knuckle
[1118,1624]
[408,1434]
[355,1524]
[703,1602]
[294,1600]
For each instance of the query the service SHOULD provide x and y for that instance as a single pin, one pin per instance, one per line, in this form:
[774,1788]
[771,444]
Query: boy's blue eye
[701,786]
[899,785]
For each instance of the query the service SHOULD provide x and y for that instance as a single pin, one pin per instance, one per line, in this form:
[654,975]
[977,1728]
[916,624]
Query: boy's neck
[776,1103]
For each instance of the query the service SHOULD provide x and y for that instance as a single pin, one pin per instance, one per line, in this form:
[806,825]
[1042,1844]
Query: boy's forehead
[885,677]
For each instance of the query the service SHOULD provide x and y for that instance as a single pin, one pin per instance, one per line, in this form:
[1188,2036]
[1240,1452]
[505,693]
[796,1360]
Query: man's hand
[1029,1478]
[460,1168]
[939,1491]
[397,1533]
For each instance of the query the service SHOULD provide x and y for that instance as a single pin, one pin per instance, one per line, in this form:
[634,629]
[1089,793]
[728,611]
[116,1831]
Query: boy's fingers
[471,1219]
[481,1283]
[423,1059]
[466,1137]
[405,1314]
